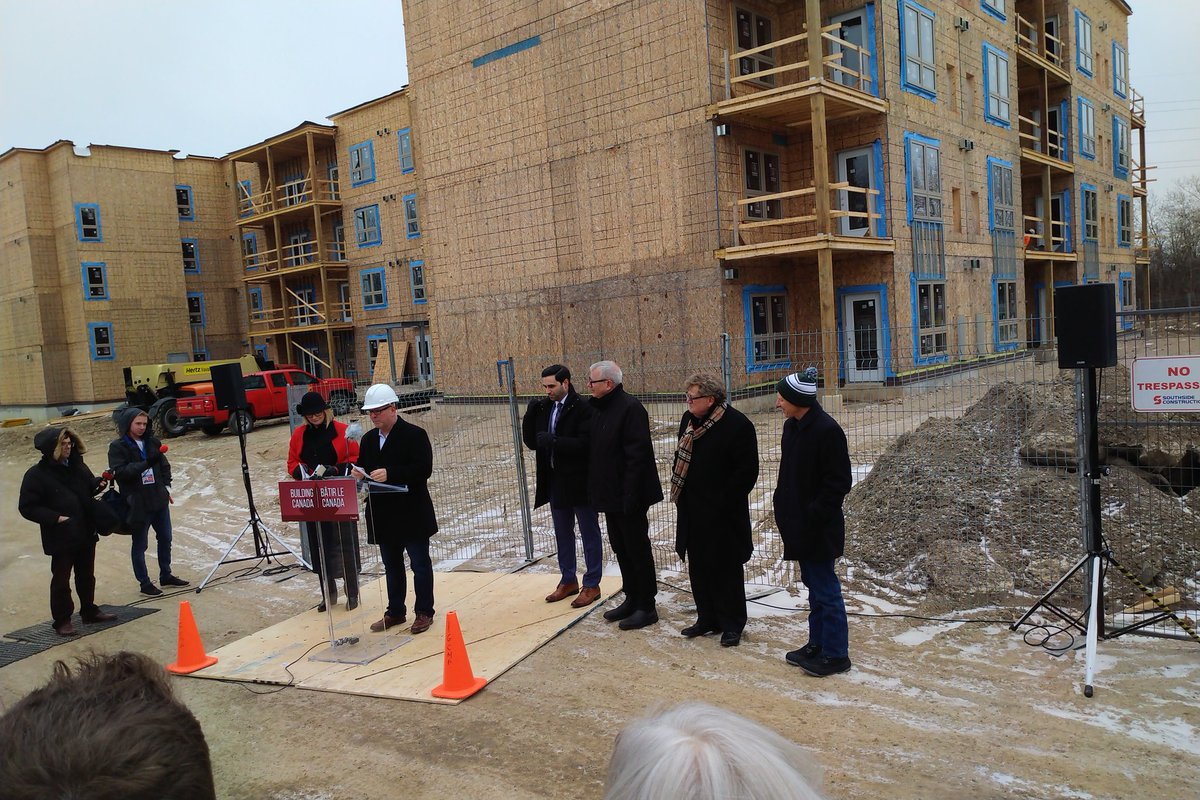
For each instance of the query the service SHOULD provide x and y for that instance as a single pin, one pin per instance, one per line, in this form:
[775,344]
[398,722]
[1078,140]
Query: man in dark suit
[398,453]
[623,483]
[814,479]
[558,429]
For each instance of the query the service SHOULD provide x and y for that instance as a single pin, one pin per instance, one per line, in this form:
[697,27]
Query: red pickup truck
[266,397]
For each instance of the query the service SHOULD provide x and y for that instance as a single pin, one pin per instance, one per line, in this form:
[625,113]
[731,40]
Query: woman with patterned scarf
[716,465]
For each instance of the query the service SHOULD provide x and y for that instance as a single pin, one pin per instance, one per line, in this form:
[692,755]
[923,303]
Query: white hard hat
[378,396]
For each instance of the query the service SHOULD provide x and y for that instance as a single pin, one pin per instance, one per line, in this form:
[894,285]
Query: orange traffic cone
[458,682]
[191,655]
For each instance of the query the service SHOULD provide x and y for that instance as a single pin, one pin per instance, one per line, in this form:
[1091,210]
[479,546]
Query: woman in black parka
[58,493]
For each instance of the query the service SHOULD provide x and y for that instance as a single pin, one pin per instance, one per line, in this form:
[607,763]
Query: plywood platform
[503,619]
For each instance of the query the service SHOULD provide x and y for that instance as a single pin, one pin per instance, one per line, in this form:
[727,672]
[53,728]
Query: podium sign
[329,500]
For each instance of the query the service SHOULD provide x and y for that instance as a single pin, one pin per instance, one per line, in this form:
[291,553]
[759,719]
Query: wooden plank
[503,617]
[383,363]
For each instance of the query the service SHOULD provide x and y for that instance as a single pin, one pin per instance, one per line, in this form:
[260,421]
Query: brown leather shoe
[387,622]
[65,629]
[563,591]
[421,623]
[98,617]
[587,596]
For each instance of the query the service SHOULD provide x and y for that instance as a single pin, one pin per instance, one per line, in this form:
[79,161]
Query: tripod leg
[275,538]
[1093,627]
[224,556]
[1044,599]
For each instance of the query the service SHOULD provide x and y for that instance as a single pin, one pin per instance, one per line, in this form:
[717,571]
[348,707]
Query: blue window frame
[1087,129]
[1085,60]
[416,279]
[404,145]
[1120,145]
[1124,221]
[366,226]
[1126,298]
[362,163]
[993,7]
[1001,207]
[374,288]
[996,108]
[87,222]
[1120,66]
[191,256]
[373,342]
[918,64]
[195,307]
[250,250]
[254,296]
[245,203]
[1005,323]
[260,350]
[412,227]
[100,339]
[184,203]
[766,320]
[885,326]
[95,280]
[1089,212]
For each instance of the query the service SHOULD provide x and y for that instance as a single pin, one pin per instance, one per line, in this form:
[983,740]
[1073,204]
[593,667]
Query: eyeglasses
[689,399]
[598,380]
[374,412]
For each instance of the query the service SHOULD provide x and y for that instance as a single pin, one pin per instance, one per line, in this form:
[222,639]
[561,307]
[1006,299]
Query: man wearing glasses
[558,429]
[398,453]
[623,483]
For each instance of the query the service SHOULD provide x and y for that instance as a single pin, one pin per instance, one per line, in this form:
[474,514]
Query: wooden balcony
[798,233]
[1137,109]
[782,95]
[292,258]
[1041,146]
[299,315]
[1042,52]
[299,194]
[1035,243]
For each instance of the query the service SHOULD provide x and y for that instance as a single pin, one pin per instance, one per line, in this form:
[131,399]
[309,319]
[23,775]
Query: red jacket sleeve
[293,462]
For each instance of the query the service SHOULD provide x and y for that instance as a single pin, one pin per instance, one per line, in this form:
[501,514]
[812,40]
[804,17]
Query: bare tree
[1175,261]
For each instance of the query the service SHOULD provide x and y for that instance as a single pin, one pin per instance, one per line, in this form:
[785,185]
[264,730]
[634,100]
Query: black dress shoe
[638,619]
[622,611]
[321,607]
[699,629]
[351,603]
[730,639]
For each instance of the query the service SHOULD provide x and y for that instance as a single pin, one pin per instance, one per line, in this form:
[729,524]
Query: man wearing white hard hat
[398,453]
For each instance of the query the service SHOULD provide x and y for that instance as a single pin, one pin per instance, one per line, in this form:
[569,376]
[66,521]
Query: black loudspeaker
[1085,321]
[228,387]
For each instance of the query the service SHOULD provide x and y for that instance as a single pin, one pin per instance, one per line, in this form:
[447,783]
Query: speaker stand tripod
[1098,557]
[263,536]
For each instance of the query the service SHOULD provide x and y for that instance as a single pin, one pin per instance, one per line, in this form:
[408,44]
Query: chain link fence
[967,488]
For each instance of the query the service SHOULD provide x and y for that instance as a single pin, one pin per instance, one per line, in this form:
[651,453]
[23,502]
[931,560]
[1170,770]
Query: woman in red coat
[319,449]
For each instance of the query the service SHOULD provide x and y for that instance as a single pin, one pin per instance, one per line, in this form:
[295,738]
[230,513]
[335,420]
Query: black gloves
[545,440]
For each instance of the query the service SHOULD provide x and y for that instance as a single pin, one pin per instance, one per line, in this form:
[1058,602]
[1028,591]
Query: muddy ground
[931,709]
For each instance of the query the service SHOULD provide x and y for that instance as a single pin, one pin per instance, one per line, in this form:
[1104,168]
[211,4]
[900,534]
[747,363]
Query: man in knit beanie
[814,479]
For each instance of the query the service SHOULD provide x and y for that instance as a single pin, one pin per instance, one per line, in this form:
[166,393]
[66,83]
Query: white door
[857,168]
[861,330]
[853,30]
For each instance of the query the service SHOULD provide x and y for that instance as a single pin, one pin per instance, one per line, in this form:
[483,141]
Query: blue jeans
[161,520]
[827,611]
[589,533]
[391,552]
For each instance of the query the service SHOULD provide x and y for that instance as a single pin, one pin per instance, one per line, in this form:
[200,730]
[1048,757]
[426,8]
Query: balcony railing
[844,63]
[1033,239]
[299,254]
[803,225]
[1137,107]
[290,193]
[1030,132]
[1045,46]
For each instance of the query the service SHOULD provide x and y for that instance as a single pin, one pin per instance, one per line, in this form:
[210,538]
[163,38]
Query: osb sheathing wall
[380,122]
[141,232]
[569,202]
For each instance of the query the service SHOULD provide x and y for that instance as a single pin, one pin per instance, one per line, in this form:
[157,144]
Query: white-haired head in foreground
[695,751]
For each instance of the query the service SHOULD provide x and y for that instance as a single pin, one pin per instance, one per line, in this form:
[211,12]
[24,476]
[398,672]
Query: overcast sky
[214,76]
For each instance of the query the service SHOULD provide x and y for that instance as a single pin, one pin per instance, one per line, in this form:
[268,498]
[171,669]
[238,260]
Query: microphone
[162,448]
[108,476]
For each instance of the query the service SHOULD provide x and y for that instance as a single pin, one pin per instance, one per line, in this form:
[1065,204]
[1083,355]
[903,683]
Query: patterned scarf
[683,453]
